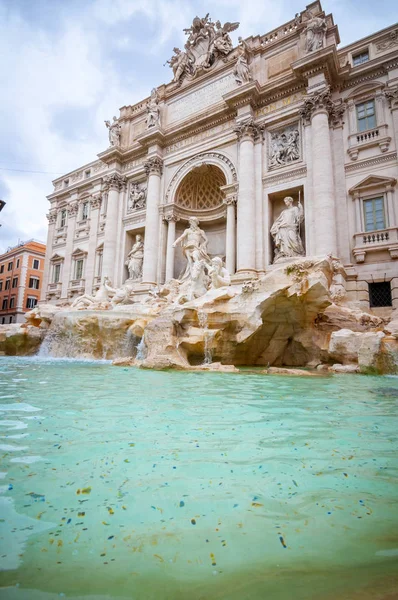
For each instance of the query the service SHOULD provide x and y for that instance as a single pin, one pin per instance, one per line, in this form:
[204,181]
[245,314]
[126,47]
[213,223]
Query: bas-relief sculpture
[153,110]
[284,146]
[114,132]
[207,41]
[242,70]
[135,259]
[137,198]
[315,34]
[286,232]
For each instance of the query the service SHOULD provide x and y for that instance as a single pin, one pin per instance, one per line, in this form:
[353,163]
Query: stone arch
[216,159]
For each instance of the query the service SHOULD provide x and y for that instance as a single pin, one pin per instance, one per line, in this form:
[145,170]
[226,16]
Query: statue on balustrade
[194,246]
[316,33]
[153,110]
[242,70]
[135,258]
[114,132]
[286,231]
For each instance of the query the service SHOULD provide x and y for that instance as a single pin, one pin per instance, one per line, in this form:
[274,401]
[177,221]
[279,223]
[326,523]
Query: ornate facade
[282,146]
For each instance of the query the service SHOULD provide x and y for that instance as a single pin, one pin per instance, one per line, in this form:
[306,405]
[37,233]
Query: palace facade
[236,131]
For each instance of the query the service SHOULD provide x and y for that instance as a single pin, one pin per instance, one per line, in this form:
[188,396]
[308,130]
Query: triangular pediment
[56,257]
[366,88]
[373,181]
[79,252]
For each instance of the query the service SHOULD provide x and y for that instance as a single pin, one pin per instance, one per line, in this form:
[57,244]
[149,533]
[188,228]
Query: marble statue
[194,246]
[315,34]
[219,276]
[197,283]
[137,197]
[135,258]
[284,147]
[286,231]
[99,300]
[120,295]
[207,41]
[153,110]
[114,132]
[242,70]
[179,62]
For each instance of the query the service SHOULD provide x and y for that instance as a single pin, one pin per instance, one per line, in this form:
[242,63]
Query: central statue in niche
[286,232]
[194,246]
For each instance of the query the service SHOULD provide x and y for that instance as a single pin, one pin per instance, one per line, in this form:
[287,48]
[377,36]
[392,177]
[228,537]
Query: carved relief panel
[136,199]
[284,146]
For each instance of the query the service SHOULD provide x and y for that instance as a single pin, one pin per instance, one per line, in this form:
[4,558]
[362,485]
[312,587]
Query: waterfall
[204,323]
[141,350]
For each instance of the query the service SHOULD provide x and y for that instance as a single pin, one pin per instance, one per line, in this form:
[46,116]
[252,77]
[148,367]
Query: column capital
[322,102]
[154,165]
[230,200]
[52,216]
[248,129]
[115,181]
[171,218]
[392,96]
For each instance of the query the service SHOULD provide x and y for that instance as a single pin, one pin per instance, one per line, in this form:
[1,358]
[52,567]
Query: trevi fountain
[203,405]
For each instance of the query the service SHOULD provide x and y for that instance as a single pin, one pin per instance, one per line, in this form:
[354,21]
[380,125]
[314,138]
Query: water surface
[128,484]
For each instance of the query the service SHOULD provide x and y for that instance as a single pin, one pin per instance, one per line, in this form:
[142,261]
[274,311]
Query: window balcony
[378,136]
[54,290]
[374,241]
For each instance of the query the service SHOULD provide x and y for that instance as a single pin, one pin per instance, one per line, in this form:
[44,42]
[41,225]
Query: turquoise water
[131,484]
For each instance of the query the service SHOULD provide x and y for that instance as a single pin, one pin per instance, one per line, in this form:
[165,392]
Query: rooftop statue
[242,69]
[114,132]
[207,41]
[316,33]
[153,110]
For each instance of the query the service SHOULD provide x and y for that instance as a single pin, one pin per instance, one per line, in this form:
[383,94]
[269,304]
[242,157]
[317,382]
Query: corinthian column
[95,203]
[66,273]
[170,250]
[153,168]
[52,219]
[230,245]
[113,185]
[317,108]
[247,133]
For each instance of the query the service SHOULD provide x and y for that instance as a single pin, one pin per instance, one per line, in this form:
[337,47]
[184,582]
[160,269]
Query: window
[79,269]
[2,269]
[374,214]
[34,283]
[9,268]
[10,319]
[62,218]
[15,282]
[366,116]
[12,302]
[36,264]
[31,302]
[56,273]
[8,282]
[5,304]
[380,294]
[85,211]
[66,182]
[1,286]
[99,264]
[360,58]
[18,263]
[87,173]
[3,320]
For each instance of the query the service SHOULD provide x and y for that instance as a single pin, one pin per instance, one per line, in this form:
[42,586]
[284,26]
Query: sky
[67,65]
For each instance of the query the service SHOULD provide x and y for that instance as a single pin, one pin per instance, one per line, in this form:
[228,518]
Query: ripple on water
[153,482]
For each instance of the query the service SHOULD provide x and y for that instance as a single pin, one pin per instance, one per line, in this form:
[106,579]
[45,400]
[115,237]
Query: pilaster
[95,204]
[52,220]
[154,169]
[73,208]
[113,184]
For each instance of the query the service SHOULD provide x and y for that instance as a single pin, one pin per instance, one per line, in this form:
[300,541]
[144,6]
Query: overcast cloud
[66,65]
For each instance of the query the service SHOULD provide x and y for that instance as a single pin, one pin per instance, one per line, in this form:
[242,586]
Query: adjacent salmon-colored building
[21,279]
